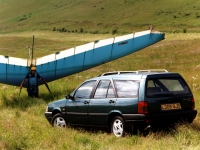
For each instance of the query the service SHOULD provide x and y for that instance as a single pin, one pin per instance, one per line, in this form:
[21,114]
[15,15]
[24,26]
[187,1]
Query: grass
[23,125]
[99,16]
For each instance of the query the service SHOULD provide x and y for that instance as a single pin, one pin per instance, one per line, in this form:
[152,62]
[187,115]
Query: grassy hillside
[99,16]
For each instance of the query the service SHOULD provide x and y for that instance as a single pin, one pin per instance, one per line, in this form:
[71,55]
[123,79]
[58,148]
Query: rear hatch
[167,93]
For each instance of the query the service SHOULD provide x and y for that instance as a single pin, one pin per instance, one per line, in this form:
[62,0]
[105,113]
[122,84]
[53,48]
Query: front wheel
[117,126]
[58,121]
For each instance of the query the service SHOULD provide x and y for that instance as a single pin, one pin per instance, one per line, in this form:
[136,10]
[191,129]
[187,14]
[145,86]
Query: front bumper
[48,116]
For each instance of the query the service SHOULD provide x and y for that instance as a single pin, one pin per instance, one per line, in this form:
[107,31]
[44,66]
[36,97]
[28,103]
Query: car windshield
[166,87]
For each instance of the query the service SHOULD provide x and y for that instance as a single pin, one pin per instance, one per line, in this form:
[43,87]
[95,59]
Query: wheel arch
[56,111]
[112,115]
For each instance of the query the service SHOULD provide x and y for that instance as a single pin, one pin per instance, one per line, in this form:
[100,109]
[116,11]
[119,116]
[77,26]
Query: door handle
[86,102]
[111,101]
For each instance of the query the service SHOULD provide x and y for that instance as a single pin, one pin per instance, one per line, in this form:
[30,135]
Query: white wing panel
[65,53]
[137,34]
[83,48]
[123,38]
[3,59]
[45,59]
[17,61]
[103,42]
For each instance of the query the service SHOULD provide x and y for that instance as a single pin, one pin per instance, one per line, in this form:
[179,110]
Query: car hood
[58,103]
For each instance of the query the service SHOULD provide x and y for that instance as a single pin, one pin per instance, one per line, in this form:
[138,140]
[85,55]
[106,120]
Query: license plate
[171,106]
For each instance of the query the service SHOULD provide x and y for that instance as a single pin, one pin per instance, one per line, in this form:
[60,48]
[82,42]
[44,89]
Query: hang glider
[67,62]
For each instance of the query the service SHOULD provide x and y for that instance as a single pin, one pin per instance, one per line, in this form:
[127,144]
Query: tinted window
[166,86]
[126,88]
[104,89]
[85,90]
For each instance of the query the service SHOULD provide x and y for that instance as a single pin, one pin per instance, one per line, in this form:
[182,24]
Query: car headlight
[47,109]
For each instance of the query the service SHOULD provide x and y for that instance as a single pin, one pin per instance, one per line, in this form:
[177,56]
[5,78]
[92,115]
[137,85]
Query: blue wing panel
[97,56]
[124,48]
[62,67]
[3,73]
[12,74]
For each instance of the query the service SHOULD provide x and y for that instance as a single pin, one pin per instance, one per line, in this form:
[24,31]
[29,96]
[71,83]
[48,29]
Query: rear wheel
[117,126]
[58,121]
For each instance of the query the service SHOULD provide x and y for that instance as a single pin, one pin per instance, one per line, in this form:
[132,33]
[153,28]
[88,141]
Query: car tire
[118,126]
[58,121]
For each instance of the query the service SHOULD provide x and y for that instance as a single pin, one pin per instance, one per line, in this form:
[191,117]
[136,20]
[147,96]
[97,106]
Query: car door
[77,107]
[102,103]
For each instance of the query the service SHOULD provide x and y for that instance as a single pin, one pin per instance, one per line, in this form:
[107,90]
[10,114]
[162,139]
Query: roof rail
[136,72]
[117,72]
[152,70]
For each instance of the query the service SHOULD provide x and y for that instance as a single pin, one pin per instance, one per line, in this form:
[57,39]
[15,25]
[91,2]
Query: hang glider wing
[12,70]
[74,60]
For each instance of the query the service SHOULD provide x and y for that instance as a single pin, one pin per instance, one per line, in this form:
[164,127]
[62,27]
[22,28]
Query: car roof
[137,75]
[149,71]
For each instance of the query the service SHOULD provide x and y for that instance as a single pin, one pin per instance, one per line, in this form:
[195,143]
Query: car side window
[126,88]
[104,89]
[84,91]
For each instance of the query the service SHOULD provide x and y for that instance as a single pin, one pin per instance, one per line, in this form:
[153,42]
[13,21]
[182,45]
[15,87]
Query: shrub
[197,15]
[54,28]
[22,19]
[114,31]
[176,31]
[81,30]
[64,30]
[59,30]
[106,32]
[96,32]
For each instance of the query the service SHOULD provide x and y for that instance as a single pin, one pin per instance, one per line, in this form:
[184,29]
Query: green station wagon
[125,101]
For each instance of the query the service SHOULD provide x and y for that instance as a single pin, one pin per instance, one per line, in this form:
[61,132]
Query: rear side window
[104,90]
[166,87]
[126,88]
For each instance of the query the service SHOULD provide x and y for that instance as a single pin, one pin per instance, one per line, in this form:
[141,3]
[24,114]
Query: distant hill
[99,16]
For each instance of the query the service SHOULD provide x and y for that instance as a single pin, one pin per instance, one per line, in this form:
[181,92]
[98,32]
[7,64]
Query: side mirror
[69,97]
